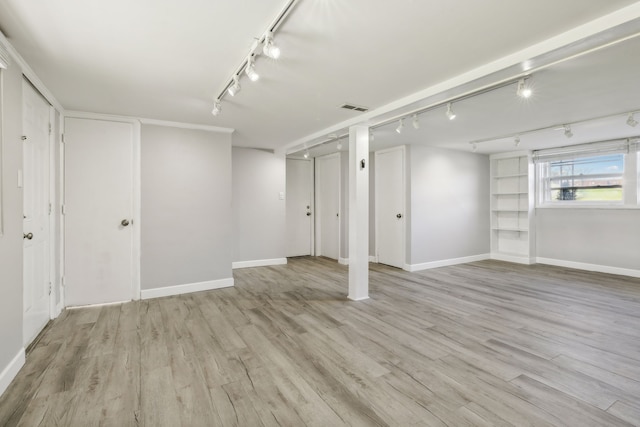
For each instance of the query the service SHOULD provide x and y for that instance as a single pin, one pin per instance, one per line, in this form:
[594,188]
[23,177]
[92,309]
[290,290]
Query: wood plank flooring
[480,344]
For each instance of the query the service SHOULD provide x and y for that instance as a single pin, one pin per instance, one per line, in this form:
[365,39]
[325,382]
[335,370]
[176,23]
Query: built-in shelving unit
[512,207]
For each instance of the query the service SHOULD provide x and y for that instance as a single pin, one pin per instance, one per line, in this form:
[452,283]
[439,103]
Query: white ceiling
[168,59]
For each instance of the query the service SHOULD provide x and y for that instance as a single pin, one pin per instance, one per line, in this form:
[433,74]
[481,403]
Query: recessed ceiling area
[167,60]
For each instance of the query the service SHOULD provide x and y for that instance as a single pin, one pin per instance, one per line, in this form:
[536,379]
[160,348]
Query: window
[587,174]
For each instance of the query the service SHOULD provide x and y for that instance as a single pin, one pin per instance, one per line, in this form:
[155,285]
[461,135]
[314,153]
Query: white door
[390,206]
[328,205]
[36,211]
[98,211]
[299,208]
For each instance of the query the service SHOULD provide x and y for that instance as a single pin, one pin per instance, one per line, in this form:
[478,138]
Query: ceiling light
[251,71]
[400,126]
[474,147]
[450,114]
[235,86]
[416,122]
[306,154]
[631,121]
[217,108]
[339,145]
[269,48]
[524,91]
[567,131]
[516,141]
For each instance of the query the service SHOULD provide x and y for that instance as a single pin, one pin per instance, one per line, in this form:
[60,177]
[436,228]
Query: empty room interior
[320,212]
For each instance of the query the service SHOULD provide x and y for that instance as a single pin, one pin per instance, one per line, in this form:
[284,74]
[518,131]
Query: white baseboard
[589,267]
[358,299]
[186,289]
[513,258]
[343,261]
[258,263]
[445,262]
[11,370]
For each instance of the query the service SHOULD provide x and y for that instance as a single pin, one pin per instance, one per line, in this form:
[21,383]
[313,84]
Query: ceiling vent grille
[354,107]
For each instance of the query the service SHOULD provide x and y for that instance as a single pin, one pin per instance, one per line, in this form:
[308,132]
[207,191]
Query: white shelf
[510,210]
[516,175]
[514,193]
[518,229]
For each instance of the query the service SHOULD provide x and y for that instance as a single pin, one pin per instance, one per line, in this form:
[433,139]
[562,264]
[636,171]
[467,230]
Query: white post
[358,213]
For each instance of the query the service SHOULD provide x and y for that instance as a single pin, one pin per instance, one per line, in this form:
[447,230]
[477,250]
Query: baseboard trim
[186,289]
[258,263]
[358,299]
[589,267]
[445,262]
[343,261]
[513,258]
[11,370]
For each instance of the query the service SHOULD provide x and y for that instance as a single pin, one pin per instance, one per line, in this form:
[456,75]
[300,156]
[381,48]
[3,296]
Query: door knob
[27,236]
[124,222]
[399,216]
[308,213]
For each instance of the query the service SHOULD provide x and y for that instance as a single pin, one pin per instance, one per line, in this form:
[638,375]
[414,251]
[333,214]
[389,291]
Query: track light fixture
[251,70]
[269,48]
[416,122]
[450,114]
[217,107]
[235,86]
[306,154]
[631,120]
[516,140]
[400,126]
[524,91]
[339,145]
[474,147]
[567,131]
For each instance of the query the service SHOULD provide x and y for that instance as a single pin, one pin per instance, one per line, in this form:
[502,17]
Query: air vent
[354,107]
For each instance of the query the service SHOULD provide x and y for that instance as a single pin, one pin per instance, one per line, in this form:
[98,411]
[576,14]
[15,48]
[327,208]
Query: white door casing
[328,206]
[299,196]
[36,212]
[390,193]
[101,260]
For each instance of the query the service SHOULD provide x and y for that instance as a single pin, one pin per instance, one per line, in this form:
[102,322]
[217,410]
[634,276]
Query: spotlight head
[269,48]
[306,154]
[516,141]
[567,131]
[450,114]
[217,107]
[250,70]
[235,87]
[416,122]
[474,147]
[339,145]
[400,126]
[631,120]
[524,91]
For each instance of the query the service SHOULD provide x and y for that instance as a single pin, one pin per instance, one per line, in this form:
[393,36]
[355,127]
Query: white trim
[517,259]
[589,267]
[101,304]
[258,263]
[11,370]
[186,289]
[53,215]
[358,299]
[373,258]
[183,125]
[445,262]
[343,261]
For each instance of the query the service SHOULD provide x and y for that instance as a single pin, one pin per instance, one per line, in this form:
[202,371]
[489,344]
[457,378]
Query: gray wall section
[11,240]
[259,215]
[186,206]
[449,204]
[609,237]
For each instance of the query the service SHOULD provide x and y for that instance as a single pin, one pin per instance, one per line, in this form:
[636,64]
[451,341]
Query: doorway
[390,193]
[299,197]
[328,206]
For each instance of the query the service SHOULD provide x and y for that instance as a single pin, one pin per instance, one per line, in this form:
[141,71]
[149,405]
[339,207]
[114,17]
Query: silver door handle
[27,236]
[124,222]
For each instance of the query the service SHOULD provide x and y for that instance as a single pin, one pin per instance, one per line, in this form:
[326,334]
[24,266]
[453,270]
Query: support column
[358,213]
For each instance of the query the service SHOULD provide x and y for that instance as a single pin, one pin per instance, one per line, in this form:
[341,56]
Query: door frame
[136,193]
[312,202]
[403,150]
[318,208]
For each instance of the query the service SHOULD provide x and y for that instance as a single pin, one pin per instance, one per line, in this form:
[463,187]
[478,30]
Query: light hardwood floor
[486,343]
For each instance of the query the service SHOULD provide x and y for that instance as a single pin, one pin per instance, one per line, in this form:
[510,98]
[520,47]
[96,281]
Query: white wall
[449,204]
[604,237]
[186,206]
[11,240]
[259,214]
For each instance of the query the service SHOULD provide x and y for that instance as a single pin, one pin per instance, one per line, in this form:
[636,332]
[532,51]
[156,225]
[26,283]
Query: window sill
[583,206]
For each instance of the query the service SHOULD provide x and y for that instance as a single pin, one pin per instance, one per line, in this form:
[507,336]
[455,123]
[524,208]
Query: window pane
[590,179]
